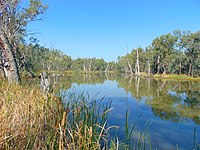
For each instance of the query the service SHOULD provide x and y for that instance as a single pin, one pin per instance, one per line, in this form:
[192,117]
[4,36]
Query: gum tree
[14,19]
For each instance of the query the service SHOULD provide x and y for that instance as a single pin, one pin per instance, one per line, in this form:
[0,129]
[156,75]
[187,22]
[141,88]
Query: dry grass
[31,119]
[183,77]
[25,116]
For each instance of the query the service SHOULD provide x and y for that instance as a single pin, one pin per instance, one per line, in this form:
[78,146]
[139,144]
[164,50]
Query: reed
[86,122]
[28,117]
[31,119]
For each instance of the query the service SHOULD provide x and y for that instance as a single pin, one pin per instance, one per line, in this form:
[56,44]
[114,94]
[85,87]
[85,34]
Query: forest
[173,53]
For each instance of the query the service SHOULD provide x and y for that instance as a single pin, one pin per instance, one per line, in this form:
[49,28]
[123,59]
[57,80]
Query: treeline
[40,58]
[172,53]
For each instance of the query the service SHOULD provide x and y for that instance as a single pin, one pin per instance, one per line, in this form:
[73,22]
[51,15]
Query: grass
[28,118]
[31,119]
[86,120]
[176,77]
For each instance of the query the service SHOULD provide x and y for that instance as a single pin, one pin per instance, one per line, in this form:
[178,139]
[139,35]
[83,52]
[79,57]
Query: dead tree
[44,83]
[137,64]
[130,67]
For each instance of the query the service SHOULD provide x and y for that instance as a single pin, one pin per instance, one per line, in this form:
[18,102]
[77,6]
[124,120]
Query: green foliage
[41,58]
[174,53]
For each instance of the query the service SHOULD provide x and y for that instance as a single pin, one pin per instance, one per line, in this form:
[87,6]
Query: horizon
[103,29]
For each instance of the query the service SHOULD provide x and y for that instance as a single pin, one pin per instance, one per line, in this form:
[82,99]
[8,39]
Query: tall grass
[28,117]
[31,119]
[86,122]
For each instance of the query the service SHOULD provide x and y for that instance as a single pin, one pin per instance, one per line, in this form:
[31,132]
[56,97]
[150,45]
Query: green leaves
[177,52]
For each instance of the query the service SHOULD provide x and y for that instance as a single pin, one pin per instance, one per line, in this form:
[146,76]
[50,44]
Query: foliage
[172,53]
[41,58]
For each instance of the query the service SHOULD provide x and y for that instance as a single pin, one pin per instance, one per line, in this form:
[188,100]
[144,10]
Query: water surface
[168,110]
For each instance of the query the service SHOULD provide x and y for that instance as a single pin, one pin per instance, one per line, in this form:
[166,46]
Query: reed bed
[28,117]
[31,119]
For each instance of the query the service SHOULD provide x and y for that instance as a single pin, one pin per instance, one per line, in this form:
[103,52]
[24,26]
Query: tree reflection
[170,100]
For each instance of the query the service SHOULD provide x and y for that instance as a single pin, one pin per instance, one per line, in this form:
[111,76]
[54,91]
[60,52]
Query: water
[168,110]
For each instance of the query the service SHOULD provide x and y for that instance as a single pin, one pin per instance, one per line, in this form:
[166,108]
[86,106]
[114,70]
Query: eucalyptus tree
[125,64]
[149,60]
[111,66]
[14,19]
[99,64]
[164,48]
[77,64]
[191,45]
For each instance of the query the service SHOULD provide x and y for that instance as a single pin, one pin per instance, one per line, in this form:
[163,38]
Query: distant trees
[41,58]
[172,53]
[13,22]
[175,53]
[132,62]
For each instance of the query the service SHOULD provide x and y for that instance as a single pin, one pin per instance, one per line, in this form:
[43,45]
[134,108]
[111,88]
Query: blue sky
[104,28]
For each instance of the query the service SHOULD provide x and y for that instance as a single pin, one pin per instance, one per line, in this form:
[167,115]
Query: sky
[111,28]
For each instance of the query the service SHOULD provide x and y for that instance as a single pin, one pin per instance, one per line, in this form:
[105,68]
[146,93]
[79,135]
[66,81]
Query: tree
[13,23]
[137,64]
[164,47]
[191,45]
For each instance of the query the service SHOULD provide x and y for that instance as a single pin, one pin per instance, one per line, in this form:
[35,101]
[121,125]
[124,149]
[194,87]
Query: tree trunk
[28,70]
[164,69]
[190,68]
[84,68]
[135,68]
[106,68]
[44,83]
[90,67]
[137,65]
[149,68]
[2,73]
[180,65]
[11,69]
[158,64]
[130,67]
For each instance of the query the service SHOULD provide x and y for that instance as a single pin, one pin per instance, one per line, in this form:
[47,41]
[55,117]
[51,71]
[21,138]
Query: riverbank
[176,77]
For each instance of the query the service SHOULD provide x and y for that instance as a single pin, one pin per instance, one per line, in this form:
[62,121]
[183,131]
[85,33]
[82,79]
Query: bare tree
[137,64]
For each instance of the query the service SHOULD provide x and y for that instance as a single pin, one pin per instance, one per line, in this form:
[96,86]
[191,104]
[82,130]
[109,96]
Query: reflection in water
[172,106]
[183,103]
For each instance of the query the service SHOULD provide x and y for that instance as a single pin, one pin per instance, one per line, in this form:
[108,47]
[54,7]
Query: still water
[167,110]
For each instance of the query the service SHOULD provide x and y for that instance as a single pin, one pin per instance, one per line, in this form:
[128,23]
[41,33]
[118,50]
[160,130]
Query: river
[166,112]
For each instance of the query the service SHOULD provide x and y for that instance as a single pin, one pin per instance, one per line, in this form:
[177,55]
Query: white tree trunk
[107,68]
[130,67]
[84,68]
[11,68]
[149,68]
[158,64]
[137,65]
